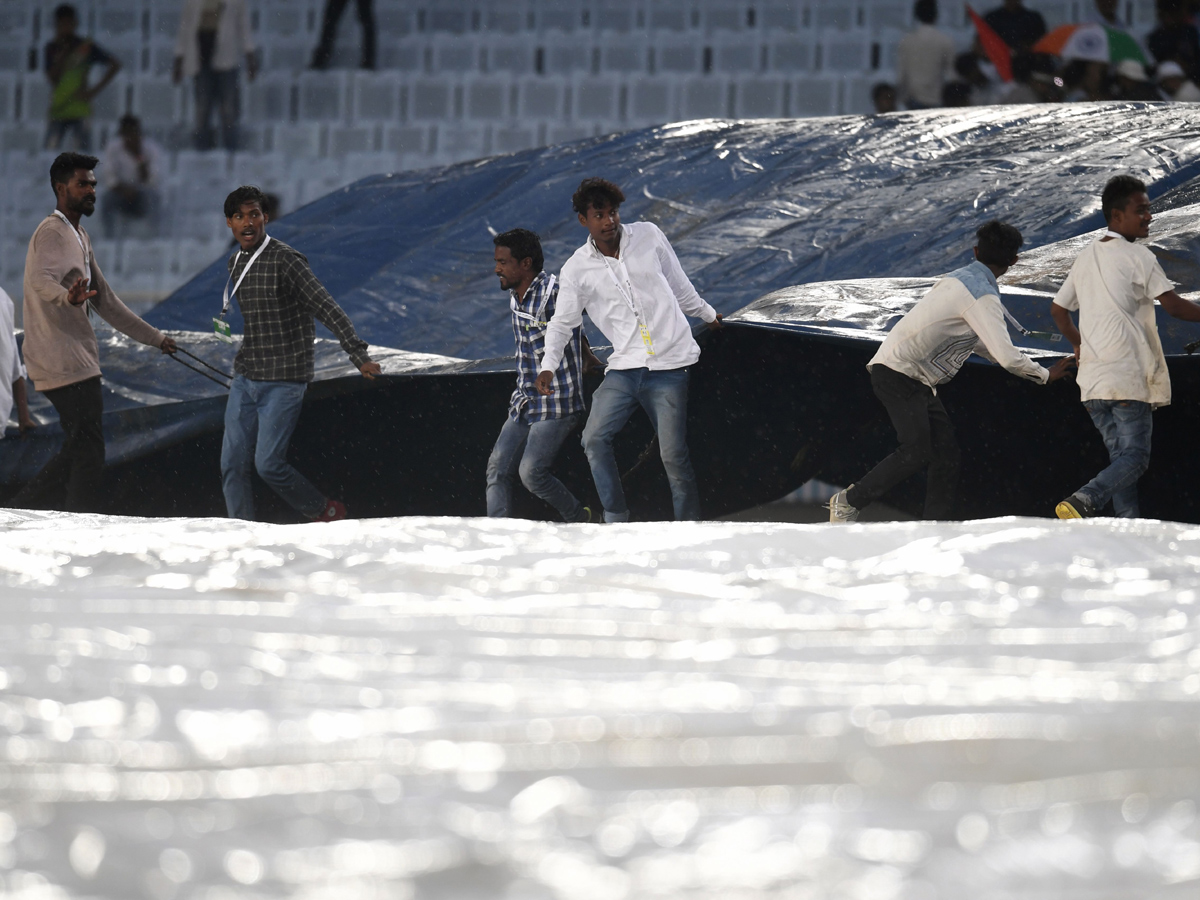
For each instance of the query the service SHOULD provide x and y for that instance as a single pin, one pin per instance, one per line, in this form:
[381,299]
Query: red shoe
[332,511]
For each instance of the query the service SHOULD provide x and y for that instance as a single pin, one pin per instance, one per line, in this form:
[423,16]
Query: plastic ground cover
[750,206]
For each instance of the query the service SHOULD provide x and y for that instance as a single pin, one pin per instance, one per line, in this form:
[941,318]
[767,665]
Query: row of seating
[725,37]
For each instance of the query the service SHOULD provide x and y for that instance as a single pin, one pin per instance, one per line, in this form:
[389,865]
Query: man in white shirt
[630,282]
[12,372]
[1122,371]
[134,163]
[924,60]
[214,36]
[1174,83]
[962,314]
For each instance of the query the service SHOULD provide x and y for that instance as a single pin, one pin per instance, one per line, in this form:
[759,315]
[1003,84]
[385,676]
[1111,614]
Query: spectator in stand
[214,36]
[1105,12]
[1176,85]
[1036,80]
[883,95]
[69,60]
[134,163]
[1133,83]
[924,59]
[1017,26]
[1176,38]
[329,24]
[978,72]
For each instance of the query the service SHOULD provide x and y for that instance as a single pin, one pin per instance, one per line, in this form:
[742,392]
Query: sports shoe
[1077,506]
[332,511]
[583,516]
[840,509]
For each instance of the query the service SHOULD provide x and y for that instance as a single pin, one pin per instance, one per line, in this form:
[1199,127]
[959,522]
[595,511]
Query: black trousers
[71,480]
[926,439]
[329,24]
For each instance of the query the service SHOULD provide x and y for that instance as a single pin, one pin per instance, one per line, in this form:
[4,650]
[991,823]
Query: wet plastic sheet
[750,207]
[866,309]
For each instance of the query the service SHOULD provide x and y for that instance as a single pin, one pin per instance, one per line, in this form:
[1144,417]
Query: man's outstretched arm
[318,303]
[1179,308]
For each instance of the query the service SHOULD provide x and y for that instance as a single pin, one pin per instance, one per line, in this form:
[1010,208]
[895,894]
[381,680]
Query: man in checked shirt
[536,425]
[279,297]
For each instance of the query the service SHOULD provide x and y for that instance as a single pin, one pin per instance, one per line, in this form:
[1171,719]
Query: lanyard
[539,314]
[643,328]
[87,257]
[229,293]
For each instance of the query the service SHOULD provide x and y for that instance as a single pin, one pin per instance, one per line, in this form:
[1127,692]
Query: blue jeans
[259,420]
[57,131]
[1125,426]
[663,395]
[528,449]
[217,90]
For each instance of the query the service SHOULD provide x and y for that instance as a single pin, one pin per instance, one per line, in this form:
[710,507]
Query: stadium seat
[835,14]
[8,97]
[268,98]
[345,139]
[845,53]
[297,139]
[511,139]
[410,140]
[455,142]
[653,101]
[814,97]
[595,99]
[790,55]
[35,97]
[737,57]
[455,56]
[364,165]
[430,100]
[540,99]
[704,98]
[157,102]
[487,99]
[760,98]
[511,58]
[323,96]
[775,17]
[376,97]
[893,15]
[194,255]
[677,55]
[718,17]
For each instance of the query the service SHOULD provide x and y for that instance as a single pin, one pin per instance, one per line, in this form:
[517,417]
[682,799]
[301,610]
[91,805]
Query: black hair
[522,244]
[65,164]
[925,11]
[247,193]
[65,11]
[1117,193]
[997,243]
[598,193]
[881,88]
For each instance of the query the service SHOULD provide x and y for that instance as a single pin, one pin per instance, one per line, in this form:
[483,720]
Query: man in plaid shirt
[279,297]
[537,424]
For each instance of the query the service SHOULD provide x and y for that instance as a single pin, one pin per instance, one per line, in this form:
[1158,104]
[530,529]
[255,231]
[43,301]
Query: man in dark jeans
[962,314]
[279,297]
[62,282]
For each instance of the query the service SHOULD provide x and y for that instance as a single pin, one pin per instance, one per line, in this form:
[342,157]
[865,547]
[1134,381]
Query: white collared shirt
[645,286]
[11,369]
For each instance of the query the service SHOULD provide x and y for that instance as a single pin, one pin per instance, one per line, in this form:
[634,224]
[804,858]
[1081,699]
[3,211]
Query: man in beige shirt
[63,283]
[924,60]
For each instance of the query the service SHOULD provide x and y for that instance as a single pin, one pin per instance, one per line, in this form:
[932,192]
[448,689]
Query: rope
[203,363]
[199,371]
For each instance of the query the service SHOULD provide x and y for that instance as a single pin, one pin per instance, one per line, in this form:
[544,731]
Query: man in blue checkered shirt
[537,424]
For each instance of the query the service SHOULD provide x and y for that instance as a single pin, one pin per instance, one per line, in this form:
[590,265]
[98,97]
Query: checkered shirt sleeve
[534,310]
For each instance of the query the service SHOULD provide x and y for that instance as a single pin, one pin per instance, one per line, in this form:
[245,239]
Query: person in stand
[329,24]
[214,37]
[12,372]
[1017,26]
[134,163]
[1176,38]
[1123,376]
[883,97]
[279,297]
[537,424]
[1175,84]
[1133,83]
[924,60]
[628,279]
[962,314]
[63,284]
[69,60]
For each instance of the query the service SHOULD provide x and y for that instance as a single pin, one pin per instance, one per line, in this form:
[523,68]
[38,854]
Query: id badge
[646,339]
[222,330]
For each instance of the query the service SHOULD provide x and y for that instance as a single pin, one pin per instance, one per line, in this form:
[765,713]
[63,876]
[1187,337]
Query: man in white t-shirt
[924,59]
[962,314]
[1122,371]
[12,372]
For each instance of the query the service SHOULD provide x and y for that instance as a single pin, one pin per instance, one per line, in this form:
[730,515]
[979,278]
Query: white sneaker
[840,510]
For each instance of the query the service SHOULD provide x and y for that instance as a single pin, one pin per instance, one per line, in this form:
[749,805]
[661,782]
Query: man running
[63,283]
[536,425]
[630,282]
[279,296]
[1122,371]
[960,315]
